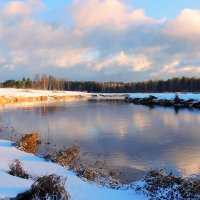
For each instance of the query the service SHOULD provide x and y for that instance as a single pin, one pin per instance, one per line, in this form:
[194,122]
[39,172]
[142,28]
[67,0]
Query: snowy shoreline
[12,95]
[155,185]
[78,189]
[167,96]
[176,100]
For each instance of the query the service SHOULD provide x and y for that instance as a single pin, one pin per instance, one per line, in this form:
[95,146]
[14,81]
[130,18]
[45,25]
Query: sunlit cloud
[131,62]
[111,14]
[185,25]
[21,8]
[176,68]
[104,40]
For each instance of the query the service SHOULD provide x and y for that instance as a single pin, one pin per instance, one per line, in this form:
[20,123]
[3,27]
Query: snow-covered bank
[179,100]
[12,92]
[78,189]
[167,96]
[11,95]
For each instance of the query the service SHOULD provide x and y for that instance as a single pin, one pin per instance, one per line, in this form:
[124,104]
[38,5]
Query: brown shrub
[17,170]
[29,143]
[68,157]
[158,185]
[64,157]
[86,173]
[99,176]
[50,187]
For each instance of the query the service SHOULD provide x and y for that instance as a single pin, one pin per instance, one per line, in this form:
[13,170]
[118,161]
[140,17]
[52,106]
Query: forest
[45,82]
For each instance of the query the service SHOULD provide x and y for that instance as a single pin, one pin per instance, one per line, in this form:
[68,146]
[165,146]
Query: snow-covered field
[167,96]
[78,189]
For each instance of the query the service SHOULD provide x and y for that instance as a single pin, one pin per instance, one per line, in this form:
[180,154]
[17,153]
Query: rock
[23,196]
[176,102]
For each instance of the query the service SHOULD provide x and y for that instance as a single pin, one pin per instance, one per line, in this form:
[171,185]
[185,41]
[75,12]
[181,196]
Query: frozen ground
[78,189]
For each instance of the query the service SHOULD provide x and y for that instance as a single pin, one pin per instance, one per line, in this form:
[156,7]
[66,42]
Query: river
[126,138]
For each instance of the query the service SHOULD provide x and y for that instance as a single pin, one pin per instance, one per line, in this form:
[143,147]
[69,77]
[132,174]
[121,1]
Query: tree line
[44,82]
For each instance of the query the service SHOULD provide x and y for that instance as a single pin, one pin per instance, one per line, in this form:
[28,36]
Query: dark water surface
[129,138]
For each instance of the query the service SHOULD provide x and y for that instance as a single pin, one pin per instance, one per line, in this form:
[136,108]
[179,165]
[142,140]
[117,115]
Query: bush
[159,186]
[29,143]
[50,187]
[96,173]
[64,157]
[17,170]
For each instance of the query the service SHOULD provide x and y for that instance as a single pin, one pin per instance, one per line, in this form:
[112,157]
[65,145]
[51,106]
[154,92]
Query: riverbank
[155,185]
[12,95]
[185,100]
[179,100]
[77,188]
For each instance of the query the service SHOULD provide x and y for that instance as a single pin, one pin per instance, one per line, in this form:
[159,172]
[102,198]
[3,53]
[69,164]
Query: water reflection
[134,138]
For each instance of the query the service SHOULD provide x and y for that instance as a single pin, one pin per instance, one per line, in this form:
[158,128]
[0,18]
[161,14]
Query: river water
[124,137]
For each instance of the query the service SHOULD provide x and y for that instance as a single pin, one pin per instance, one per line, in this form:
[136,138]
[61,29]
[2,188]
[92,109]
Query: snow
[23,93]
[12,92]
[77,188]
[167,96]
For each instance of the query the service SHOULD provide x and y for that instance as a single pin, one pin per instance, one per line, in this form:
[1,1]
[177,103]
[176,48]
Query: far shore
[12,95]
[176,100]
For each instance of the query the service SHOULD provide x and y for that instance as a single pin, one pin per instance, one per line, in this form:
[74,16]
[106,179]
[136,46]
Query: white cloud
[135,63]
[69,58]
[175,68]
[185,26]
[107,13]
[21,8]
[106,38]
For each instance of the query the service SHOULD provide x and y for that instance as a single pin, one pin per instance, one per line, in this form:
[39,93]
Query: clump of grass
[65,156]
[69,157]
[99,176]
[29,143]
[16,169]
[97,172]
[49,187]
[86,173]
[159,185]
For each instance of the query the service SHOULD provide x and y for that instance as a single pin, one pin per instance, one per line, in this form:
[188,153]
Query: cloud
[176,68]
[135,63]
[69,58]
[21,8]
[185,25]
[112,14]
[104,40]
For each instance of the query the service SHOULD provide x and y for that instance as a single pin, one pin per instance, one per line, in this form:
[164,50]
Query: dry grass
[64,157]
[29,143]
[158,185]
[99,176]
[16,169]
[69,157]
[50,187]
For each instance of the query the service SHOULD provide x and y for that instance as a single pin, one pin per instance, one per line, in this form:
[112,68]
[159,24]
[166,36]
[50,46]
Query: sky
[101,40]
